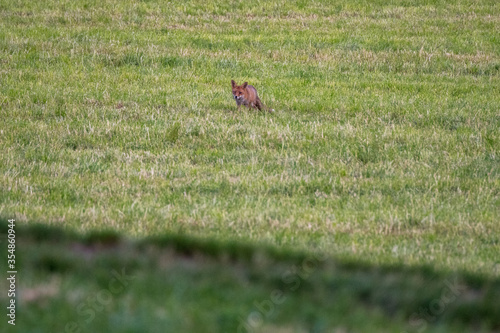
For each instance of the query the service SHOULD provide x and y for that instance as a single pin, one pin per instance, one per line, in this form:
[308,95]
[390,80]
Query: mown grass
[384,144]
[383,147]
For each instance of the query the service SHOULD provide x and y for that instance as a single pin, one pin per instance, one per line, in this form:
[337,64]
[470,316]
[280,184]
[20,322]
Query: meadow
[383,152]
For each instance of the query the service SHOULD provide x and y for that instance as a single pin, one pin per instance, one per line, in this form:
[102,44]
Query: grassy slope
[384,145]
[180,284]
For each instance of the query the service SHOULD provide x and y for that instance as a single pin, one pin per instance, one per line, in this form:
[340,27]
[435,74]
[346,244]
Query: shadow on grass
[235,286]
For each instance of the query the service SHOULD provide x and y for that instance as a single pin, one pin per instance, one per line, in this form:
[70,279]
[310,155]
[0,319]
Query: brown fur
[247,95]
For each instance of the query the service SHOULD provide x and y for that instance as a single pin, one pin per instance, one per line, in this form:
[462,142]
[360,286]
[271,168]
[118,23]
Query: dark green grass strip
[232,280]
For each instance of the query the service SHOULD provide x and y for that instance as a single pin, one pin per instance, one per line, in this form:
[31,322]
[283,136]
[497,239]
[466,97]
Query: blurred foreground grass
[102,282]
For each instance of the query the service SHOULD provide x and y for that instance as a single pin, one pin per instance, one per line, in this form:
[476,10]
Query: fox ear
[233,83]
[245,85]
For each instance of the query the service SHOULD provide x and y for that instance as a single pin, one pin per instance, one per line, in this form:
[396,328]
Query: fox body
[246,95]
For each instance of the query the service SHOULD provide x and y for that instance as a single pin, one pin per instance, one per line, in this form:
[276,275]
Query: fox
[247,95]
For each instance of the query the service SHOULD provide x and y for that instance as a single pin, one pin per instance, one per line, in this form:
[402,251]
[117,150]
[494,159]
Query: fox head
[238,91]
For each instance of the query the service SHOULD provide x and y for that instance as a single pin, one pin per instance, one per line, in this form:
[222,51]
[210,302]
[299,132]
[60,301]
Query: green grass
[104,283]
[384,147]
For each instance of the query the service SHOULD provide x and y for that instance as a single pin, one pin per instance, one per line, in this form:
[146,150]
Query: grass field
[383,149]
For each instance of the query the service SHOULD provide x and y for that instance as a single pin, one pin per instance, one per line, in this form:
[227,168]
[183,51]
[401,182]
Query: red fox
[247,95]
